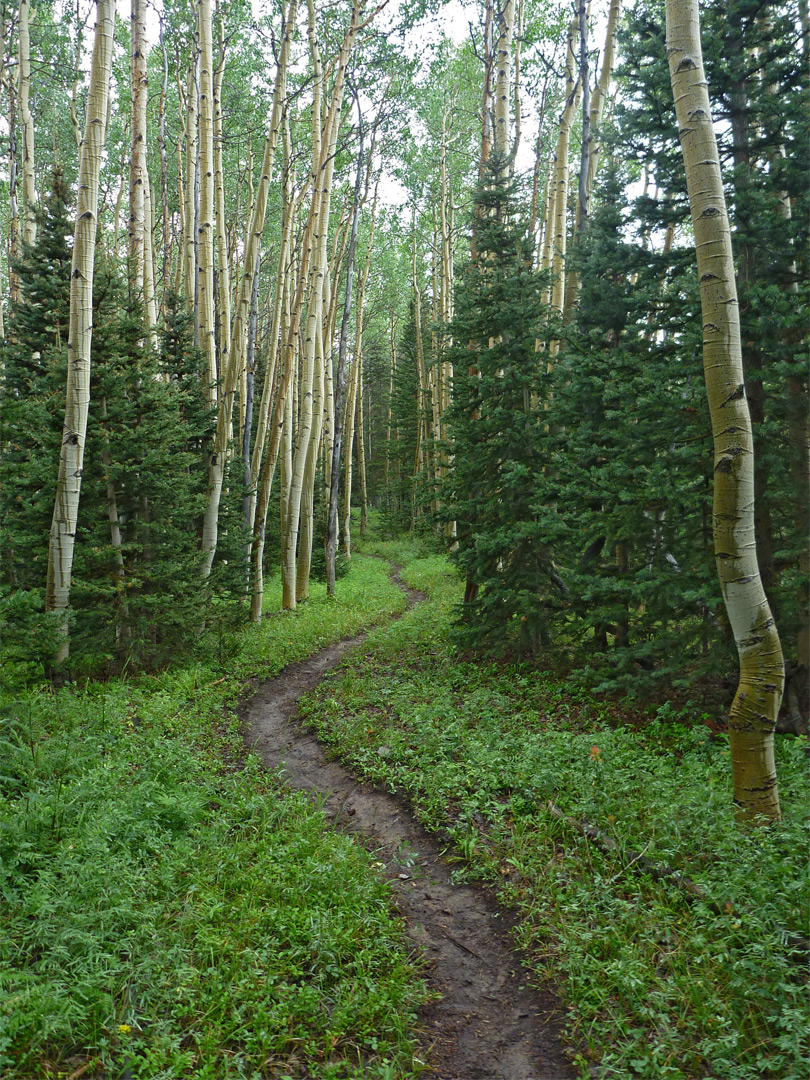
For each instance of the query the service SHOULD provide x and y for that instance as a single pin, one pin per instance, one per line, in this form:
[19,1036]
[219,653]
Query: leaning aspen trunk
[26,125]
[753,713]
[77,398]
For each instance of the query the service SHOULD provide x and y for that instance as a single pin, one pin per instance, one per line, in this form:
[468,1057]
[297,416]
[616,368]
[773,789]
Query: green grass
[656,985]
[166,906]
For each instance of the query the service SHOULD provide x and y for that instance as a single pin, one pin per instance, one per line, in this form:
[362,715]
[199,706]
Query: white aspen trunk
[13,201]
[285,455]
[190,119]
[223,276]
[503,77]
[601,91]
[27,125]
[561,175]
[307,522]
[323,163]
[241,314]
[583,190]
[151,314]
[136,228]
[361,449]
[348,464]
[281,300]
[753,713]
[487,103]
[77,398]
[206,227]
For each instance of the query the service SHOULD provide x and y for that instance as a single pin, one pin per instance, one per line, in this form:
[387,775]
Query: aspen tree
[138,178]
[13,185]
[324,147]
[503,78]
[233,361]
[278,324]
[77,398]
[601,91]
[277,122]
[189,110]
[419,463]
[340,373]
[354,409]
[753,713]
[206,226]
[26,124]
[223,276]
[164,169]
[561,179]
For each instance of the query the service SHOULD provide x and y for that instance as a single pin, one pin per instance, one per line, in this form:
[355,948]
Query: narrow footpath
[489,1024]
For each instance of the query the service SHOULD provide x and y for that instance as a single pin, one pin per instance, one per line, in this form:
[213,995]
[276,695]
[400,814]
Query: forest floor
[405,883]
[486,1021]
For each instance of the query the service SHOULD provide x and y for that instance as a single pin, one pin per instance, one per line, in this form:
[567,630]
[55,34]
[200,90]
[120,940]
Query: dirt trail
[489,1024]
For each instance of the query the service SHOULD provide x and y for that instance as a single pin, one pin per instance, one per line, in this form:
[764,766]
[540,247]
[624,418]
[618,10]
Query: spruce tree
[497,429]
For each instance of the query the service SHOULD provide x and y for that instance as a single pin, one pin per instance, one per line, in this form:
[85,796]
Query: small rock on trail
[489,1024]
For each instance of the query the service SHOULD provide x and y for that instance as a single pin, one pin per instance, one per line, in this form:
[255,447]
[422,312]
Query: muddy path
[489,1024]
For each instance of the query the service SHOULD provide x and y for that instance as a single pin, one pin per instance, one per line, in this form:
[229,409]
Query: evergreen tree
[497,428]
[630,490]
[32,392]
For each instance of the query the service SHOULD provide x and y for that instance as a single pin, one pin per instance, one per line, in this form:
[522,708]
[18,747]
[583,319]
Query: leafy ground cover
[658,983]
[167,909]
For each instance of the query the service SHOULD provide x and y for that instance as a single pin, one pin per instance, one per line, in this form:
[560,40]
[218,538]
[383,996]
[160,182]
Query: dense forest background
[436,261]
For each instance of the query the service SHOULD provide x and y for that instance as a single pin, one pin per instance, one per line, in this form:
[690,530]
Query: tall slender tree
[753,713]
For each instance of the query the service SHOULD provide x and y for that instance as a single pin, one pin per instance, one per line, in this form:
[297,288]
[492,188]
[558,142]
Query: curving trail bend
[489,1023]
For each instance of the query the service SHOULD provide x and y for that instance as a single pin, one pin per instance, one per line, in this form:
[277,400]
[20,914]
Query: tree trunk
[27,126]
[340,374]
[77,398]
[755,707]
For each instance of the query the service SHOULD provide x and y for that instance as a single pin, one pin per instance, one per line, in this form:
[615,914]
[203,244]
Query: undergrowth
[658,984]
[168,909]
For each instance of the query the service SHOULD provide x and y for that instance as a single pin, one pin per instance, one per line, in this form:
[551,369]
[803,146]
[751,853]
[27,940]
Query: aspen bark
[190,119]
[223,276]
[206,226]
[77,399]
[324,147]
[561,178]
[753,713]
[241,313]
[29,189]
[601,91]
[281,300]
[139,228]
[233,361]
[354,411]
[340,375]
[13,199]
[503,77]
